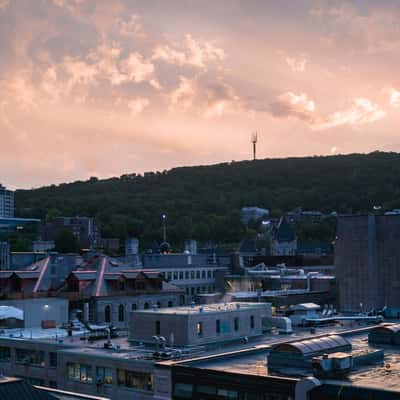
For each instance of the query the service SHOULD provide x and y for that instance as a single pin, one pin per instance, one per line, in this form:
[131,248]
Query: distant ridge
[204,201]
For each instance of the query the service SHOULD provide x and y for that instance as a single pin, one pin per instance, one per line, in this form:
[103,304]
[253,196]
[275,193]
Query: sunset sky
[107,87]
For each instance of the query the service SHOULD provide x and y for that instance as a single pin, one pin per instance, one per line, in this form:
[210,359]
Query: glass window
[53,359]
[31,357]
[135,380]
[207,389]
[203,274]
[79,372]
[191,274]
[104,375]
[175,275]
[181,275]
[209,274]
[121,313]
[107,314]
[158,327]
[134,307]
[228,394]
[236,324]
[197,274]
[5,354]
[198,289]
[252,321]
[187,275]
[183,390]
[218,326]
[199,328]
[170,303]
[169,276]
[146,306]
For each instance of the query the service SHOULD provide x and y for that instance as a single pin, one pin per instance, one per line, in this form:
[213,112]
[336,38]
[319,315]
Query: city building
[111,290]
[328,365]
[367,262]
[198,325]
[39,246]
[283,240]
[4,255]
[6,203]
[195,273]
[83,228]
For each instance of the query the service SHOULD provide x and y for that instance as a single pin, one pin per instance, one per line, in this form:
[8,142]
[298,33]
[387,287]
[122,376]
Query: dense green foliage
[204,202]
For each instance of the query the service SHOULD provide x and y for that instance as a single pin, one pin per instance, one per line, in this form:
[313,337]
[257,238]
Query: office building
[6,203]
[367,261]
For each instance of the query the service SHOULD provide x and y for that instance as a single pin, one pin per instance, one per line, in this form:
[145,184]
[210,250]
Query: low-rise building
[196,325]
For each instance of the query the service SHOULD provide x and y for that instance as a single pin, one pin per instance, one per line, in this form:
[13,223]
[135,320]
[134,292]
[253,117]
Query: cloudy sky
[107,87]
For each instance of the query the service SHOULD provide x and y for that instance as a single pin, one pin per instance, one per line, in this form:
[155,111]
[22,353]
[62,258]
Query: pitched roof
[13,388]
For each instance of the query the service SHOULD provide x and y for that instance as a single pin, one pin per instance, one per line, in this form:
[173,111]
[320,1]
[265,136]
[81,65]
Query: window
[146,306]
[203,274]
[104,375]
[121,313]
[192,291]
[79,372]
[169,276]
[209,274]
[135,379]
[5,354]
[191,274]
[198,289]
[227,394]
[236,324]
[187,275]
[31,357]
[175,275]
[134,307]
[170,303]
[158,327]
[158,304]
[121,285]
[197,274]
[252,321]
[183,390]
[218,326]
[107,314]
[180,275]
[53,360]
[199,328]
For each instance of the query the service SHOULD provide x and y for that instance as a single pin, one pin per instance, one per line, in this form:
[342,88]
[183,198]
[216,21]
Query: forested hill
[203,202]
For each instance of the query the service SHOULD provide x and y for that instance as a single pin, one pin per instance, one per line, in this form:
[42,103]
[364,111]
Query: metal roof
[326,344]
[387,328]
[11,389]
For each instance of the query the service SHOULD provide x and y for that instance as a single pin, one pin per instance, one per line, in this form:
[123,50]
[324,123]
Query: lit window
[199,328]
[104,375]
[79,372]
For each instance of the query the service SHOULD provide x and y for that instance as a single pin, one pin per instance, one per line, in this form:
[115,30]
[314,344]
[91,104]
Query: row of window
[35,358]
[189,390]
[180,275]
[131,379]
[223,327]
[200,289]
[121,310]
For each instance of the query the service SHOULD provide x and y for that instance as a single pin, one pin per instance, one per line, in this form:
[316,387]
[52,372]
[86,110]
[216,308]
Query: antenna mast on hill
[254,137]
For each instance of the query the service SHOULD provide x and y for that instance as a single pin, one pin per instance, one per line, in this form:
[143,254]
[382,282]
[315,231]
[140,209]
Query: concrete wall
[183,327]
[36,310]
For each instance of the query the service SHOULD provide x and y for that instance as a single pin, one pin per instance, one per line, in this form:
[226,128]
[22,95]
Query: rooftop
[206,308]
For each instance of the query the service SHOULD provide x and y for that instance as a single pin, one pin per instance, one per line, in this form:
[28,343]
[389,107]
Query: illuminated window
[104,375]
[79,372]
[199,329]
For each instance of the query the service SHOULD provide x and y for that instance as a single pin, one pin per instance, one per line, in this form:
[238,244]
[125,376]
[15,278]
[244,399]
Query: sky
[108,87]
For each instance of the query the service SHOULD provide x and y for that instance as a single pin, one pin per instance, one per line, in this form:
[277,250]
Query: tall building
[4,255]
[367,261]
[6,203]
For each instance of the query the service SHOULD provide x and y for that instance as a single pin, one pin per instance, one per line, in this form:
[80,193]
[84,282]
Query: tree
[66,242]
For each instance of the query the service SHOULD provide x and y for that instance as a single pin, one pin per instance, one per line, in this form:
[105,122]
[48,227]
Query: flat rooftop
[206,308]
[253,361]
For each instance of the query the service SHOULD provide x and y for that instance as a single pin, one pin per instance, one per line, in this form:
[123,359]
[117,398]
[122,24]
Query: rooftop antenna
[254,137]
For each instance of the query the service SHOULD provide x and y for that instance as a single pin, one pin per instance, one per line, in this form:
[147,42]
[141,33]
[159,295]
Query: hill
[204,202]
